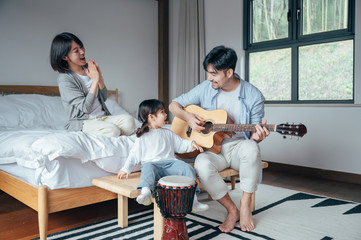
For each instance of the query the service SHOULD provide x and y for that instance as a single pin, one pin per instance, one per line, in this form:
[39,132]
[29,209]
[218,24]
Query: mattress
[65,174]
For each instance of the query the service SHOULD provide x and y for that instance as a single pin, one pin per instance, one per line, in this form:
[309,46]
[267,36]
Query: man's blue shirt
[203,95]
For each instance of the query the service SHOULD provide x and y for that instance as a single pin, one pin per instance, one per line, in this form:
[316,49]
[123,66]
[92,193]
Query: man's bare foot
[246,220]
[230,222]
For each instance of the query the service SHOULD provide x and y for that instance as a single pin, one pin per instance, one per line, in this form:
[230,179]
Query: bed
[44,166]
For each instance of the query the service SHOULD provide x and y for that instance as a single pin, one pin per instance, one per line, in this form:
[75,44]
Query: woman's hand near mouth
[92,71]
[101,79]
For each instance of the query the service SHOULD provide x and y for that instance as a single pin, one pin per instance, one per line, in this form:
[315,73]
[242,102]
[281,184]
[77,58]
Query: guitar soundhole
[207,127]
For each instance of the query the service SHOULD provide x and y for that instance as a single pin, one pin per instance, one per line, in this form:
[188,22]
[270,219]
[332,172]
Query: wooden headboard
[44,90]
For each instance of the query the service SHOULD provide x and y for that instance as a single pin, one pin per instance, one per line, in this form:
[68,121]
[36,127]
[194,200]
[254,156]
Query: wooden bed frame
[42,199]
[44,90]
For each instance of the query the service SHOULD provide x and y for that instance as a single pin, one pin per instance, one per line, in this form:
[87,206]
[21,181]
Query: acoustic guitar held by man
[216,129]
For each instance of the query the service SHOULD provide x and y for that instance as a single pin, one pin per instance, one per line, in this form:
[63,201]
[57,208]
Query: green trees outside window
[300,51]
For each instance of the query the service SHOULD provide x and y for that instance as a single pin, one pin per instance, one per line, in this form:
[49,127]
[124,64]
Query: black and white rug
[280,214]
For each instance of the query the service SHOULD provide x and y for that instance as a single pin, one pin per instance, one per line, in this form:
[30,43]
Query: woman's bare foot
[230,222]
[246,221]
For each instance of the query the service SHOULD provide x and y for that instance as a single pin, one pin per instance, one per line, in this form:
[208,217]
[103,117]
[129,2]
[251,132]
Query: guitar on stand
[216,129]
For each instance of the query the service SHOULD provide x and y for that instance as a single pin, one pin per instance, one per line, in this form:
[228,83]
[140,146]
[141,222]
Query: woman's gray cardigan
[77,100]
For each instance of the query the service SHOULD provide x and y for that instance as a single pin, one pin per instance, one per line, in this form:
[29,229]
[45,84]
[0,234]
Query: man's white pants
[241,155]
[110,126]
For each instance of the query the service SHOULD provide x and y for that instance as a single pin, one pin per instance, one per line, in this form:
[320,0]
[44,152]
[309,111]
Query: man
[244,104]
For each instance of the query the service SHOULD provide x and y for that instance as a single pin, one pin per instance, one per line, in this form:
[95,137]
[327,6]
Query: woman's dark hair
[147,107]
[60,47]
[221,58]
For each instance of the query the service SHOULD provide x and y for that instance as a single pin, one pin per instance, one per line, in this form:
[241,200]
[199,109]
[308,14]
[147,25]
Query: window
[300,51]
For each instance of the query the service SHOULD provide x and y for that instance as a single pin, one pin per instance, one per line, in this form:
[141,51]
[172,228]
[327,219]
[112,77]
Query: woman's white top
[157,144]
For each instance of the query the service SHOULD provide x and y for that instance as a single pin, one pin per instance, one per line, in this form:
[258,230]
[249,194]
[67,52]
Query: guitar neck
[241,127]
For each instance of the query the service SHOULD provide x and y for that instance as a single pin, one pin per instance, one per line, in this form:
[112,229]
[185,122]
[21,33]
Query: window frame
[294,41]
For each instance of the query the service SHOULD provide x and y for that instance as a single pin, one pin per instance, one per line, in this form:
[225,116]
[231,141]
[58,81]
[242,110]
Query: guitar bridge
[189,131]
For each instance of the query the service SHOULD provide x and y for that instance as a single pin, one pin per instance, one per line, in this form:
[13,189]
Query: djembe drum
[174,196]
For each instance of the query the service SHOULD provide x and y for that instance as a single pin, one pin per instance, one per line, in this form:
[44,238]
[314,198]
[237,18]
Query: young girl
[83,91]
[154,148]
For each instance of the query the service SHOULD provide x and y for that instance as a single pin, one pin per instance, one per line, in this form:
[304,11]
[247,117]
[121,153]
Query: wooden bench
[127,188]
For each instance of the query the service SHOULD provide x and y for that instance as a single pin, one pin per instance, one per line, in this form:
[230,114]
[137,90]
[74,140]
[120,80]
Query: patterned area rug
[280,214]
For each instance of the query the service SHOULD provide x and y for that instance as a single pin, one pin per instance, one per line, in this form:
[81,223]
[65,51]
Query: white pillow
[40,111]
[32,110]
[115,109]
[9,116]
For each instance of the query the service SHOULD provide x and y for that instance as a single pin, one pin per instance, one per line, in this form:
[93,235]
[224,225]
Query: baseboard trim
[315,172]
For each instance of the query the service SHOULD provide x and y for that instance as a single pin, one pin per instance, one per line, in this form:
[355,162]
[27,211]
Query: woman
[83,91]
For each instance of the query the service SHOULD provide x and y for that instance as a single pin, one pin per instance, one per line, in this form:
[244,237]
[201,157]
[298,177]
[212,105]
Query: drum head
[176,181]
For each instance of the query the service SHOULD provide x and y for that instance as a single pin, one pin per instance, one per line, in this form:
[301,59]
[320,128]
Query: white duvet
[32,135]
[37,148]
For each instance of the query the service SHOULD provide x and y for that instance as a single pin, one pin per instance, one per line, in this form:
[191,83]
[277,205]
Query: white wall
[333,141]
[223,23]
[121,35]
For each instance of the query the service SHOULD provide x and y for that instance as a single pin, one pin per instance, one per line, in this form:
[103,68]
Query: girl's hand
[121,174]
[197,147]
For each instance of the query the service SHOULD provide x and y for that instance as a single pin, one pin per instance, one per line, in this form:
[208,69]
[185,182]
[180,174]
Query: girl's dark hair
[60,47]
[147,107]
[221,58]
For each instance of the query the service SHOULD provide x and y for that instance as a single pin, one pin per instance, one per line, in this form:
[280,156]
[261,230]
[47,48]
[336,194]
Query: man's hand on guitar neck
[261,132]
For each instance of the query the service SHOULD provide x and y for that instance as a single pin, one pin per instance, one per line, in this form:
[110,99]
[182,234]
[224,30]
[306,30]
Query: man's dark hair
[221,58]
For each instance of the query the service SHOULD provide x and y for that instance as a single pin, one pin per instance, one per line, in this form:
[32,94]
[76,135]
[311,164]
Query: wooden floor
[17,221]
